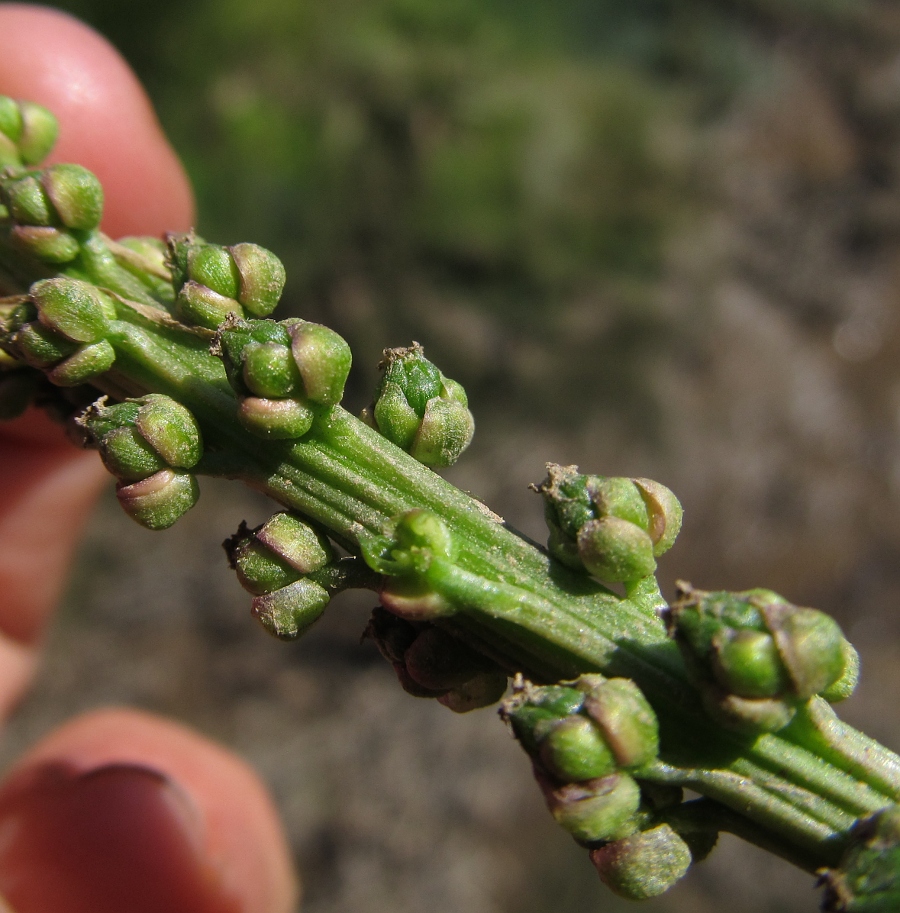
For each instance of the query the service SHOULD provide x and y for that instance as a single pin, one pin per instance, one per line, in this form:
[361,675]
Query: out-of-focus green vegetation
[496,160]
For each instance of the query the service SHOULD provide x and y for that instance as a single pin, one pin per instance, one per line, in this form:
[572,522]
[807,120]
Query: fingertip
[106,121]
[212,842]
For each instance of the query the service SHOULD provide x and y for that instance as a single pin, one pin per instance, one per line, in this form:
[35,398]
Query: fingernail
[119,837]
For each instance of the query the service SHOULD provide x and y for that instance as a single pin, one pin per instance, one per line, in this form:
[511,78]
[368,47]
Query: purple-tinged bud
[47,244]
[441,662]
[643,865]
[197,305]
[128,456]
[664,514]
[276,419]
[170,429]
[158,501]
[595,810]
[304,548]
[627,721]
[288,612]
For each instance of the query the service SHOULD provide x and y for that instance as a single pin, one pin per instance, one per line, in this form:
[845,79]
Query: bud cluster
[27,132]
[430,662]
[61,329]
[149,444]
[277,562]
[613,528]
[757,657]
[420,410]
[212,282]
[49,210]
[584,737]
[282,372]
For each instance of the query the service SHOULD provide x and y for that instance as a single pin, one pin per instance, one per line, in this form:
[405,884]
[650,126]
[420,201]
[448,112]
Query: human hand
[118,810]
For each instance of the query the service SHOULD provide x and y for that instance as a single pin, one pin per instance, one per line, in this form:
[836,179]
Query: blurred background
[651,237]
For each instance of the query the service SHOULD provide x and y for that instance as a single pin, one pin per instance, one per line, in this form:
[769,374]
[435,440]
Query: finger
[106,123]
[125,811]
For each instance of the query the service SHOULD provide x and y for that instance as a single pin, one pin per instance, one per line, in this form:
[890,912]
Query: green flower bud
[158,501]
[49,245]
[198,305]
[810,644]
[747,663]
[276,419]
[420,410]
[76,195]
[213,266]
[262,278]
[41,347]
[615,550]
[643,865]
[270,370]
[75,309]
[38,132]
[595,810]
[26,200]
[323,359]
[87,363]
[288,612]
[573,749]
[304,548]
[626,720]
[128,456]
[664,514]
[170,429]
[10,132]
[482,690]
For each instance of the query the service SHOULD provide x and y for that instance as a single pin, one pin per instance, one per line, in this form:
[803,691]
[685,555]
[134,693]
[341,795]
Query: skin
[209,840]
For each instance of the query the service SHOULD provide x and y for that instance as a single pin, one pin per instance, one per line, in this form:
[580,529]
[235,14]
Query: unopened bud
[276,419]
[262,278]
[38,132]
[420,410]
[75,309]
[643,865]
[288,612]
[323,359]
[615,550]
[595,810]
[88,362]
[626,719]
[757,656]
[76,195]
[158,501]
[270,370]
[41,347]
[573,749]
[45,243]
